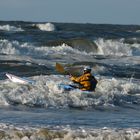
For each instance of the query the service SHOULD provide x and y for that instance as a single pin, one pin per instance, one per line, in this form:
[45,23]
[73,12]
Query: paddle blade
[60,68]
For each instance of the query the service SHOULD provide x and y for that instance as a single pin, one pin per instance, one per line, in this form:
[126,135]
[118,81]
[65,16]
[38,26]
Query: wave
[138,31]
[110,47]
[101,47]
[74,46]
[23,67]
[17,48]
[106,47]
[47,93]
[10,28]
[13,47]
[81,44]
[66,132]
[46,26]
[117,48]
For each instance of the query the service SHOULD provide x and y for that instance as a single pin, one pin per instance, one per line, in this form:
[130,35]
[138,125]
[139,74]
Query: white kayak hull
[19,80]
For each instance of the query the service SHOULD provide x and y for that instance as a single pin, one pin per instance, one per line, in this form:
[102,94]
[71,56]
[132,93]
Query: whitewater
[46,111]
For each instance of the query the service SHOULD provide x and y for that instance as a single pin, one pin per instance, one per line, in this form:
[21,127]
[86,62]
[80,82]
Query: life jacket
[86,82]
[93,82]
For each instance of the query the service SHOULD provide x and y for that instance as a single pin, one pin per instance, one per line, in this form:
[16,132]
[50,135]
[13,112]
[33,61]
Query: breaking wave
[66,133]
[103,47]
[10,28]
[117,48]
[17,48]
[47,93]
[46,27]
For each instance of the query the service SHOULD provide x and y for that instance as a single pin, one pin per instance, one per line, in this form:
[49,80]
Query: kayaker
[86,82]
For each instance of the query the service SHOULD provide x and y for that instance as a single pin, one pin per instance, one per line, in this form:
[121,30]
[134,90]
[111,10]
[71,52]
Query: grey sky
[77,11]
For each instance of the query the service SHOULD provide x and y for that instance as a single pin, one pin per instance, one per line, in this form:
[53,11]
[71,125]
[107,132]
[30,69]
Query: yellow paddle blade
[60,68]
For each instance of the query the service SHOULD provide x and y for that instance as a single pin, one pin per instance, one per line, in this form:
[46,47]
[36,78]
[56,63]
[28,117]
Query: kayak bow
[20,80]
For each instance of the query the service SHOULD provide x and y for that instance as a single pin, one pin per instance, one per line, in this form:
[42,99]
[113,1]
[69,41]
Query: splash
[46,27]
[46,93]
[10,28]
[17,48]
[6,47]
[113,47]
[66,133]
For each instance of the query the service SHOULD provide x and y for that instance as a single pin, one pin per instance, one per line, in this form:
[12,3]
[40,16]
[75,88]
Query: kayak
[20,80]
[66,87]
[24,80]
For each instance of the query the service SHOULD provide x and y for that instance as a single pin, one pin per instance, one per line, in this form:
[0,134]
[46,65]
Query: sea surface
[44,110]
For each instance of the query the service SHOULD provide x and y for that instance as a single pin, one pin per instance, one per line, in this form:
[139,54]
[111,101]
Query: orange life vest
[86,81]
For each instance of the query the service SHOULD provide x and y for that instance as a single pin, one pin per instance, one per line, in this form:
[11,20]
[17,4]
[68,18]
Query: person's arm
[75,79]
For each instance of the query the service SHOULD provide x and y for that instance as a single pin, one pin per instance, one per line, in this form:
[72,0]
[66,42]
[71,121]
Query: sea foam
[66,133]
[10,28]
[46,27]
[113,47]
[47,93]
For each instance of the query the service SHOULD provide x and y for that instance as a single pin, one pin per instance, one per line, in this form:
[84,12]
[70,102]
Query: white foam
[138,31]
[113,47]
[68,133]
[46,27]
[105,47]
[10,28]
[62,49]
[6,47]
[47,93]
[14,47]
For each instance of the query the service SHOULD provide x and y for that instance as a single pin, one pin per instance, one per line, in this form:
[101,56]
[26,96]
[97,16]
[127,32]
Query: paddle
[61,69]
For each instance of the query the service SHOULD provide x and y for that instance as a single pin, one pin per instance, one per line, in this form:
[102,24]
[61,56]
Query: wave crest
[113,47]
[46,27]
[10,28]
[46,93]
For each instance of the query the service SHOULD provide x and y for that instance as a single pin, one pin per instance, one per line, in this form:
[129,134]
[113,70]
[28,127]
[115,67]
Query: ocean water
[44,110]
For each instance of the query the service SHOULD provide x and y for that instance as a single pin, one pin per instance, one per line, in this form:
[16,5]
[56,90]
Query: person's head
[87,69]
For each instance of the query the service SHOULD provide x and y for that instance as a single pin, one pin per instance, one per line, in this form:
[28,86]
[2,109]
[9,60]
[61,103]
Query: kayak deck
[66,87]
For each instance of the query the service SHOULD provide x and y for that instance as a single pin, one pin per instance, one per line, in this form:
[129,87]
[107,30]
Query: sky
[72,11]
